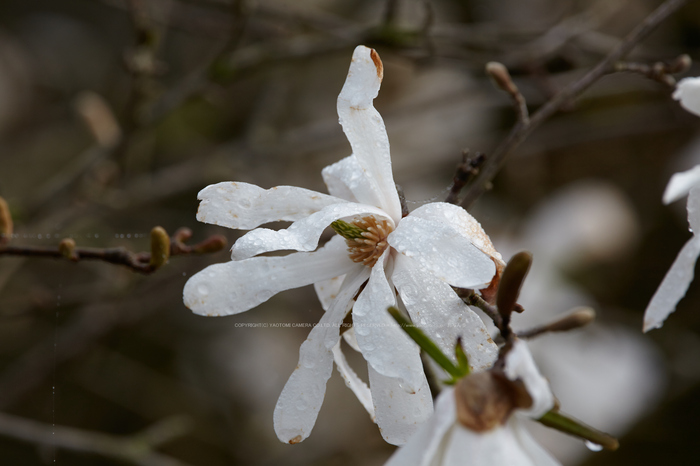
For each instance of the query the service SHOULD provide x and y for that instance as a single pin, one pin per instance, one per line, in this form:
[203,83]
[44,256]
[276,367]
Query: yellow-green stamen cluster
[365,237]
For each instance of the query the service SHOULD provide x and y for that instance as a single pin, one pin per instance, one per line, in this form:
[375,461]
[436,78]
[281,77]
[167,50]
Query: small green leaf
[571,426]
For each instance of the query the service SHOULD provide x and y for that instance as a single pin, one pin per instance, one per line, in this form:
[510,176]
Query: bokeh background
[115,113]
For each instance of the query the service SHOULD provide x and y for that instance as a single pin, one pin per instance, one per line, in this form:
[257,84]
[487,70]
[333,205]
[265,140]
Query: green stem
[571,426]
[426,343]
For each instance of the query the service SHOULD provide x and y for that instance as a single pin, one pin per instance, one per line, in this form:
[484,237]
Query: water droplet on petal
[203,290]
[593,446]
[245,203]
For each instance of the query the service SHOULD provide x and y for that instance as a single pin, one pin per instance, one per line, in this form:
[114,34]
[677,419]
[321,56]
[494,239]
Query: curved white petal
[681,183]
[437,247]
[520,366]
[351,339]
[461,221]
[399,413]
[301,398]
[347,180]
[245,206]
[499,446]
[441,314]
[425,446]
[327,290]
[674,285]
[384,345]
[677,280]
[365,129]
[353,382]
[538,455]
[302,235]
[688,93]
[236,286]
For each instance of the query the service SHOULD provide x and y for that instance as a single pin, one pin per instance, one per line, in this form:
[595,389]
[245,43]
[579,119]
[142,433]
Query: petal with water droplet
[302,235]
[306,386]
[246,206]
[236,286]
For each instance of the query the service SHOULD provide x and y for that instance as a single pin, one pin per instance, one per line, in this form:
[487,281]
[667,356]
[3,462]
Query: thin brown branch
[137,449]
[136,261]
[466,171]
[607,65]
[660,72]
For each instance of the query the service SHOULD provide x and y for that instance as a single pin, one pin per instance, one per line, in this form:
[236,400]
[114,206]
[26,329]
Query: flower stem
[562,422]
[426,344]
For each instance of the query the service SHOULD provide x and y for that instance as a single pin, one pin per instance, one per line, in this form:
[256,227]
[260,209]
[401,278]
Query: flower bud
[499,73]
[160,247]
[5,222]
[67,249]
[511,281]
[486,400]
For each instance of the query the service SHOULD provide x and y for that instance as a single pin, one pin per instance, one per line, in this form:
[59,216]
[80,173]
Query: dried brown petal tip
[5,222]
[499,73]
[160,247]
[512,279]
[67,249]
[486,400]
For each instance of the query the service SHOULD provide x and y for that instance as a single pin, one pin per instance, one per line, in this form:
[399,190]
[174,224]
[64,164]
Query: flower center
[365,237]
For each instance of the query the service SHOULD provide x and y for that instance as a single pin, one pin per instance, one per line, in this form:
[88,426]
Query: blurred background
[115,113]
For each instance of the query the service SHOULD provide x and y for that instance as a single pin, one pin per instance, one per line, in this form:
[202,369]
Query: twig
[137,449]
[660,71]
[466,171]
[473,299]
[139,262]
[520,131]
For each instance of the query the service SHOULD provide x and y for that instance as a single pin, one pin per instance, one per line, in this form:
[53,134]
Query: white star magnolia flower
[419,256]
[687,183]
[444,441]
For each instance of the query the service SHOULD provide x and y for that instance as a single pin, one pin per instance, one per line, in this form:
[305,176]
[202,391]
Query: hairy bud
[160,247]
[67,249]
[5,222]
[487,399]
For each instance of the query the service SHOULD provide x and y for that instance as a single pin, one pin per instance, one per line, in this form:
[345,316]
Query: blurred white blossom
[421,255]
[677,280]
[446,441]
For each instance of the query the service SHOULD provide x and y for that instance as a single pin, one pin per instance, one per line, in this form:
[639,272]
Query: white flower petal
[437,247]
[677,280]
[245,206]
[347,180]
[327,290]
[681,184]
[425,445]
[441,314]
[499,446]
[674,285]
[688,93]
[538,455]
[302,235]
[520,366]
[353,382]
[236,286]
[461,221]
[300,401]
[384,345]
[399,413]
[351,339]
[365,129]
